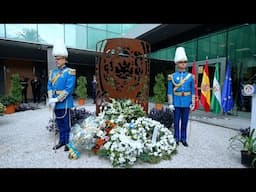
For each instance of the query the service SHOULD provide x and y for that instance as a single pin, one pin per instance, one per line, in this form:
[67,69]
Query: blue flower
[131,125]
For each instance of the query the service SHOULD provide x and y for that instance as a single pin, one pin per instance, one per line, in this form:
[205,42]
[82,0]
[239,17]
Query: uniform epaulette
[72,71]
[169,77]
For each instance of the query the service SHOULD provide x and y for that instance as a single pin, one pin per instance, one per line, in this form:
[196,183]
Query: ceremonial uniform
[181,96]
[61,85]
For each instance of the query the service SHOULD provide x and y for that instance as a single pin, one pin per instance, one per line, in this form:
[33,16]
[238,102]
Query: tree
[16,88]
[159,89]
[30,35]
[81,89]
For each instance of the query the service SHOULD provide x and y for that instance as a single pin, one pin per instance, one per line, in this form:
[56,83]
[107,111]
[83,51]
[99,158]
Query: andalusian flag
[216,93]
[205,89]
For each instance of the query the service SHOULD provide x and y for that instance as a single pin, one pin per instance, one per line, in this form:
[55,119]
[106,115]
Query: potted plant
[81,90]
[9,102]
[159,91]
[248,140]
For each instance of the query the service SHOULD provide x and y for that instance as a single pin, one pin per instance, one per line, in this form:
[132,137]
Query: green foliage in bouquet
[122,111]
[16,88]
[159,89]
[81,89]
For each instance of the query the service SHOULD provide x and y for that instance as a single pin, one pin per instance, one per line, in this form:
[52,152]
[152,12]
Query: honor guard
[61,85]
[181,96]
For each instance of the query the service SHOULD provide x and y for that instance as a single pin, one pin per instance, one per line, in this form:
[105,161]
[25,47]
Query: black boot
[58,146]
[66,148]
[184,143]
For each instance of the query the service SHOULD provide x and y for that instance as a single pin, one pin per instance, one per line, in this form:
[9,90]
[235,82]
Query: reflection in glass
[50,33]
[25,32]
[127,27]
[2,31]
[76,36]
[117,28]
[113,35]
[98,26]
[94,36]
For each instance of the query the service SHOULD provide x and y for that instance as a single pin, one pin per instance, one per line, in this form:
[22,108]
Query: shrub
[16,88]
[81,89]
[159,89]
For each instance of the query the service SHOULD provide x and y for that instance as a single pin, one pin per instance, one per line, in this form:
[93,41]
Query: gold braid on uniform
[72,71]
[62,95]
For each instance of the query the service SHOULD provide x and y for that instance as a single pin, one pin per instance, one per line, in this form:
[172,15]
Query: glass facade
[79,36]
[117,28]
[238,43]
[2,30]
[22,32]
[49,33]
[95,36]
[76,36]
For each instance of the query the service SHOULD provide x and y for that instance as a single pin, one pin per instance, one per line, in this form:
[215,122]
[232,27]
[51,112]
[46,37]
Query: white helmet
[59,49]
[180,55]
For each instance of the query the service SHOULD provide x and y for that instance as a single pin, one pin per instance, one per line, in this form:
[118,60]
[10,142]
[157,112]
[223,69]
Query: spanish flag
[205,89]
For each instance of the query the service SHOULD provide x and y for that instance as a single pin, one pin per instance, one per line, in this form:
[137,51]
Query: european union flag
[227,101]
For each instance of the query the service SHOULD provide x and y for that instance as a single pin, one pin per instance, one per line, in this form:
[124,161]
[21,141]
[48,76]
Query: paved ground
[25,143]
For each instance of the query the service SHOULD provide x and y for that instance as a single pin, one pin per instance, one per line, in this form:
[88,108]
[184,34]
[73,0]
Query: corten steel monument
[122,71]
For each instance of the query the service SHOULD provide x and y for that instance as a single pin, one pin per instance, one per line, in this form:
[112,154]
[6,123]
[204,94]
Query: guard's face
[182,64]
[60,61]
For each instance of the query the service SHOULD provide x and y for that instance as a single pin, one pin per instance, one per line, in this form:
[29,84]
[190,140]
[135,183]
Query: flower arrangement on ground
[143,139]
[123,134]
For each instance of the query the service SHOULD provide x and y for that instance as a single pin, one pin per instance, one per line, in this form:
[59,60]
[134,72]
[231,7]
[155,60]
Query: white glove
[52,102]
[51,105]
[171,107]
[191,107]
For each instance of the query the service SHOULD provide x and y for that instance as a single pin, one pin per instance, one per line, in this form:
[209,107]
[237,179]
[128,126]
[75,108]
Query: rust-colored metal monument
[122,71]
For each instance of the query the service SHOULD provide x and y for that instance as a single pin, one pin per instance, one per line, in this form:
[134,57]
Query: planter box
[81,102]
[246,158]
[10,109]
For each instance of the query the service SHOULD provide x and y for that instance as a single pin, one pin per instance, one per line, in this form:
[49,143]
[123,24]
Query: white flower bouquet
[144,139]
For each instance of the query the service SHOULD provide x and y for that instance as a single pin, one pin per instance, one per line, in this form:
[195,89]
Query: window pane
[98,26]
[114,28]
[203,48]
[127,27]
[49,33]
[190,48]
[23,32]
[2,30]
[221,45]
[76,36]
[170,53]
[113,35]
[94,36]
